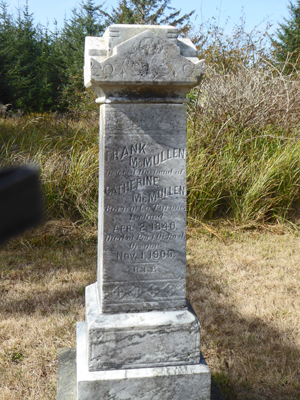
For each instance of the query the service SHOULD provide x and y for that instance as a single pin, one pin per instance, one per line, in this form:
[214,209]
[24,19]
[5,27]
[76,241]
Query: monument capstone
[141,338]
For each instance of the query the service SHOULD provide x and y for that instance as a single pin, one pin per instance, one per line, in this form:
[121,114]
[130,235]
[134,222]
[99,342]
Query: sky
[258,13]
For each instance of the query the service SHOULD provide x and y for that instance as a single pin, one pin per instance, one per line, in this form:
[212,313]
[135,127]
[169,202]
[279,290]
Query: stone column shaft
[141,264]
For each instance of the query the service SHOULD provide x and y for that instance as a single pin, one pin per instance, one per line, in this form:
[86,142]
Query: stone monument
[141,338]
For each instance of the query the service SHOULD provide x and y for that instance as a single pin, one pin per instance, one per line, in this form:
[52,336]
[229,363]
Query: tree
[123,14]
[29,74]
[85,21]
[6,29]
[48,73]
[149,12]
[40,69]
[228,52]
[287,45]
[20,53]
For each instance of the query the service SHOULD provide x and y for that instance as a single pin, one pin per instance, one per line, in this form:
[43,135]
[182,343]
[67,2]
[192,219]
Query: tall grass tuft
[66,152]
[244,182]
[244,145]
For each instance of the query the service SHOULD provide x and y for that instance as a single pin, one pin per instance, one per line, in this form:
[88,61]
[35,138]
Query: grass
[257,180]
[243,150]
[66,151]
[244,145]
[43,278]
[245,291]
[243,165]
[243,285]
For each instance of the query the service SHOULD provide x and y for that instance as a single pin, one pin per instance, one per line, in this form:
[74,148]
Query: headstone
[141,338]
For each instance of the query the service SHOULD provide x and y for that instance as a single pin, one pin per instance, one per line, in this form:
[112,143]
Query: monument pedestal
[158,383]
[67,385]
[135,356]
[140,340]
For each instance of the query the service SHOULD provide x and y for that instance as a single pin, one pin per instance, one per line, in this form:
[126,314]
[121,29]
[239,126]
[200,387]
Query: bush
[244,144]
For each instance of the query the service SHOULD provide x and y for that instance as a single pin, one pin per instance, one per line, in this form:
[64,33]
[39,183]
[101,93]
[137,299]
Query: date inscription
[145,255]
[142,227]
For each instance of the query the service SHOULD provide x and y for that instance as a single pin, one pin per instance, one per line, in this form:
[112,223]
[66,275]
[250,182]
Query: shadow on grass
[46,303]
[48,278]
[248,358]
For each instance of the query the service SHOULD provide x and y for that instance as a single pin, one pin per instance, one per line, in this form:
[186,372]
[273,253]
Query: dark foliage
[28,75]
[149,12]
[287,43]
[42,70]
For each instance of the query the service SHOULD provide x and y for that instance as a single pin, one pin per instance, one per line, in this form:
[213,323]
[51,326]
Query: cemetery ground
[242,277]
[242,280]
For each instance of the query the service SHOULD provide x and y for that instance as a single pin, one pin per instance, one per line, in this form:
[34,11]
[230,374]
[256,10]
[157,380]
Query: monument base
[175,382]
[140,340]
[66,377]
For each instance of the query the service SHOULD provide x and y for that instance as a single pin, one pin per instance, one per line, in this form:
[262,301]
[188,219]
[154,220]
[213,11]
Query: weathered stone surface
[146,58]
[137,62]
[139,340]
[118,33]
[174,383]
[66,375]
[142,213]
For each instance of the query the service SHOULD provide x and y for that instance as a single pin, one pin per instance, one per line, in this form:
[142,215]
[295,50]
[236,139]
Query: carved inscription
[144,192]
[142,209]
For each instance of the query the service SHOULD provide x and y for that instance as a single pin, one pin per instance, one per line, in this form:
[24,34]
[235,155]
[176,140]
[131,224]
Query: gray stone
[67,377]
[131,63]
[172,383]
[140,340]
[142,217]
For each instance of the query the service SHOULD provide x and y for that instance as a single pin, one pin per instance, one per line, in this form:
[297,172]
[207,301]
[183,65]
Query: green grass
[243,151]
[244,145]
[246,179]
[66,152]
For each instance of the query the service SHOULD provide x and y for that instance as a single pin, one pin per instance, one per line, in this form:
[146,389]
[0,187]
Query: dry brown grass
[249,98]
[43,277]
[245,291]
[244,286]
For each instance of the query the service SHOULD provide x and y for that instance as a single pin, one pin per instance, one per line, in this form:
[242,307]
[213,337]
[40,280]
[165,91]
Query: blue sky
[257,12]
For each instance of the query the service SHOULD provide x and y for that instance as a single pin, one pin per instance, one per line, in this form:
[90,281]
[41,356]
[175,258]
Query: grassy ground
[245,291]
[43,278]
[243,284]
[65,149]
[243,163]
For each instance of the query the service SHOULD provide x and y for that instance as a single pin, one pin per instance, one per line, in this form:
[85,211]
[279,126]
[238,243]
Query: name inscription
[144,210]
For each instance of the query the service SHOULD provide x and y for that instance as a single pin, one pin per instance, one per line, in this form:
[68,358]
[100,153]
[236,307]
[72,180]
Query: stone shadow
[247,357]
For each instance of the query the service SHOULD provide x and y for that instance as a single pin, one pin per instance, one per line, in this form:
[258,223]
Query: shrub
[244,144]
